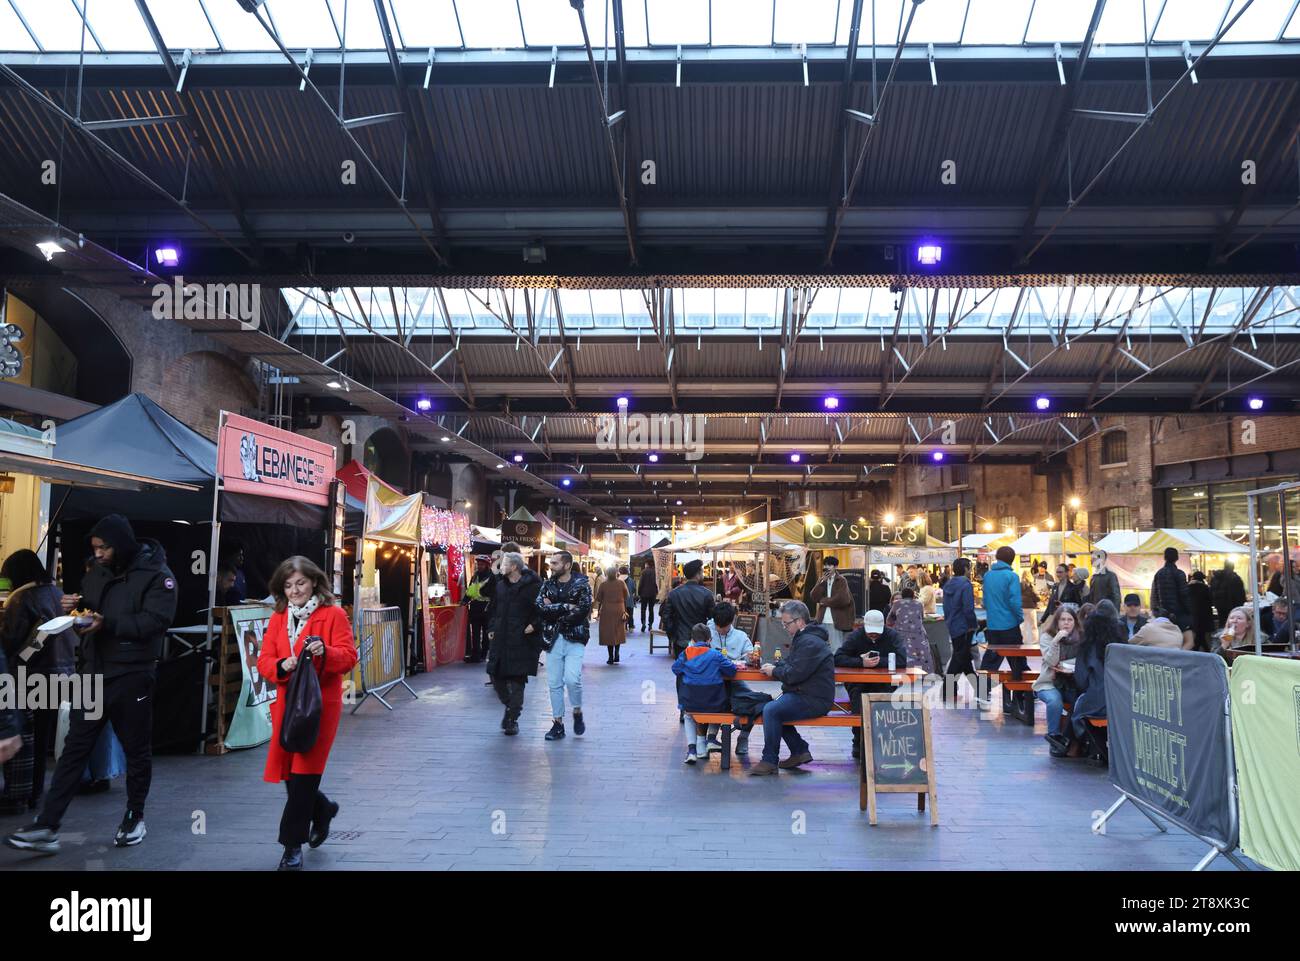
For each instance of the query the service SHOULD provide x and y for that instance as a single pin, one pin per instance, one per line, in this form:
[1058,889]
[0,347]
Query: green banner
[251,724]
[1266,736]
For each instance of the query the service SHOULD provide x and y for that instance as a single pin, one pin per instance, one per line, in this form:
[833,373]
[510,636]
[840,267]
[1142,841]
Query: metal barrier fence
[381,660]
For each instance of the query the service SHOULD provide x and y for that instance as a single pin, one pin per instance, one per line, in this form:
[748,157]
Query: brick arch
[199,385]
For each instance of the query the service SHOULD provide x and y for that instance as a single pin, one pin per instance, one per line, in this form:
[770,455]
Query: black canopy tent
[645,556]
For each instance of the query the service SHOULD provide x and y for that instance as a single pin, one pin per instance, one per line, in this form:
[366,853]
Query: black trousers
[647,614]
[992,660]
[304,805]
[45,725]
[476,644]
[128,703]
[510,691]
[961,661]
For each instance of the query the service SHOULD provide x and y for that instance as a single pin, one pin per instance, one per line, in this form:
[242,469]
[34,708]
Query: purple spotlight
[937,456]
[622,403]
[1042,403]
[831,402]
[653,458]
[929,254]
[518,458]
[167,256]
[424,403]
[795,458]
[629,522]
[1255,403]
[566,482]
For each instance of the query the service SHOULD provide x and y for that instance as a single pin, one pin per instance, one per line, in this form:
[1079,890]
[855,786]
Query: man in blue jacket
[807,679]
[1003,611]
[959,619]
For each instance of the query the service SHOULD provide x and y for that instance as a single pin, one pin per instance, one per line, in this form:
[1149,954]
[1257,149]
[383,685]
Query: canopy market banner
[251,724]
[1169,742]
[1266,738]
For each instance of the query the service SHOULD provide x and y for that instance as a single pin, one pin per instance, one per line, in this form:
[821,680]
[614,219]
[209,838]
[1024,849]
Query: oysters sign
[254,458]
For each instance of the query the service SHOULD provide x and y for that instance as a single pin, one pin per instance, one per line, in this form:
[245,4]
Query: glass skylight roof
[849,311]
[221,25]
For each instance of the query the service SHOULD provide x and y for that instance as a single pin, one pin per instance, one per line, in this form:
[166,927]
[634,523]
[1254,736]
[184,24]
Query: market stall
[446,537]
[1135,556]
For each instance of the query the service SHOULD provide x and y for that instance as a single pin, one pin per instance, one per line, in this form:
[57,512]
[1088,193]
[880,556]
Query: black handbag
[300,722]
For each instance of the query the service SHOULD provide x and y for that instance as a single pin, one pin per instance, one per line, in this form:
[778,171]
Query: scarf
[298,619]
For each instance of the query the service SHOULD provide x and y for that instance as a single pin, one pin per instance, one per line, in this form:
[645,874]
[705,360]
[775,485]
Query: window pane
[937,21]
[118,25]
[362,31]
[1122,22]
[427,23]
[239,30]
[1263,21]
[1229,505]
[56,23]
[807,21]
[678,21]
[556,24]
[889,15]
[634,23]
[182,24]
[1293,29]
[742,23]
[13,36]
[1059,20]
[996,21]
[1189,508]
[303,24]
[1190,20]
[492,24]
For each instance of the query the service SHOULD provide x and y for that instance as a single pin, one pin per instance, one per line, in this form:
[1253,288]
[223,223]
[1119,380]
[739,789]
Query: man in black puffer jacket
[514,636]
[807,679]
[688,604]
[133,594]
[1169,593]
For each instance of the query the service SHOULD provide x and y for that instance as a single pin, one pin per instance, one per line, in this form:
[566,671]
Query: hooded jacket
[1169,591]
[703,672]
[512,652]
[1002,598]
[958,606]
[858,643]
[1228,592]
[558,620]
[137,599]
[27,608]
[810,668]
[648,586]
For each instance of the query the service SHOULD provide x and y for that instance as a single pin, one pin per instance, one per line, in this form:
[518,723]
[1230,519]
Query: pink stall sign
[255,458]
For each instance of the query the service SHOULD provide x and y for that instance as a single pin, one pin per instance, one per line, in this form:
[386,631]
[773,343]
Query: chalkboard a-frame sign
[898,758]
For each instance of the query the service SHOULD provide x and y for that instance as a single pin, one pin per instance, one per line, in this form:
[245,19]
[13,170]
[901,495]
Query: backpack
[748,705]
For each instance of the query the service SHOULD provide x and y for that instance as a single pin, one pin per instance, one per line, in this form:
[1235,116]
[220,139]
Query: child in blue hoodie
[703,671]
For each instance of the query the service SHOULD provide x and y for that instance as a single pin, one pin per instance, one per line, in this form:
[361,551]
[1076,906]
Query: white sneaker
[714,746]
[702,748]
[690,755]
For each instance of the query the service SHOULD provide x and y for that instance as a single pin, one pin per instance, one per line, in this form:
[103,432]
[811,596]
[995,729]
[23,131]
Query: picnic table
[842,713]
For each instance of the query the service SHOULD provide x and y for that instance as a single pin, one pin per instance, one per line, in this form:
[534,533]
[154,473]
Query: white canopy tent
[1155,542]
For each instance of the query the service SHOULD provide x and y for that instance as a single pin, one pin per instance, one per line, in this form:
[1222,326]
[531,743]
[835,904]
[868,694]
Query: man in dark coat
[1169,593]
[688,604]
[1227,591]
[133,594]
[1198,593]
[807,679]
[869,646]
[647,591]
[878,593]
[515,636]
[478,597]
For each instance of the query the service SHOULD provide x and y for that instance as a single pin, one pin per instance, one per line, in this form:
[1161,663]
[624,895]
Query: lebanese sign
[897,756]
[1169,742]
[255,458]
[251,724]
[1266,739]
[843,531]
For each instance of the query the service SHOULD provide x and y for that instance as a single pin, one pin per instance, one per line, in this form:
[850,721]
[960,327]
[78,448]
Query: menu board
[897,756]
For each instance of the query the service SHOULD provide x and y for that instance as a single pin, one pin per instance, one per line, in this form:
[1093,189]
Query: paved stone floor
[434,785]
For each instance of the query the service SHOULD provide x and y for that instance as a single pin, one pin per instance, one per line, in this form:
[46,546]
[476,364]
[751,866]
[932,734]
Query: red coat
[331,625]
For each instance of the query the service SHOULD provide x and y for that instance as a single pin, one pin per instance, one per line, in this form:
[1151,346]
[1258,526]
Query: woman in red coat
[305,617]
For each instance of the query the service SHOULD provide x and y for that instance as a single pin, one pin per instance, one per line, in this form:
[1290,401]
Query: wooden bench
[728,721]
[667,644]
[1021,708]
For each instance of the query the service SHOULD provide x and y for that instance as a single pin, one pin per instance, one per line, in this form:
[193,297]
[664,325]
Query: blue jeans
[564,668]
[787,707]
[1053,701]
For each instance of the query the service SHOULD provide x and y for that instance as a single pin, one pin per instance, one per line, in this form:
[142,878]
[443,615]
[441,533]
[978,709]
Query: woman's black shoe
[292,859]
[321,830]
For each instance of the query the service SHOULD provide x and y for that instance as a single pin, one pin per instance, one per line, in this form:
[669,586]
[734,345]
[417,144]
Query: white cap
[874,622]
